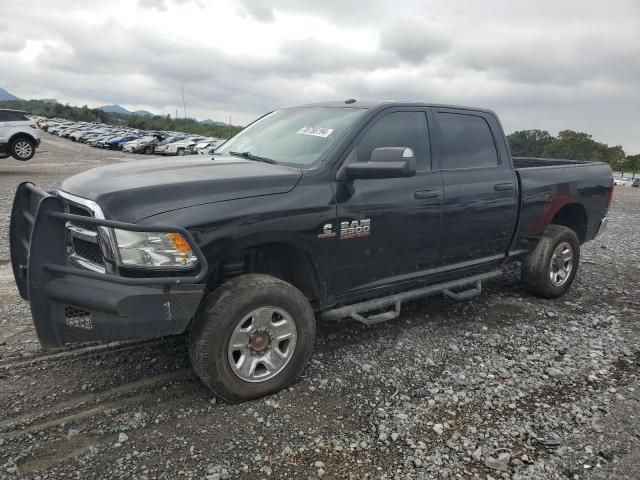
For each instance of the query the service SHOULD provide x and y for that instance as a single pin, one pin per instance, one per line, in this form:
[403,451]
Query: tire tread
[212,318]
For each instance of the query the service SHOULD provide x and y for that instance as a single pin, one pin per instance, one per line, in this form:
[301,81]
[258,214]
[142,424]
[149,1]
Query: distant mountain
[48,100]
[4,95]
[114,109]
[208,121]
[142,113]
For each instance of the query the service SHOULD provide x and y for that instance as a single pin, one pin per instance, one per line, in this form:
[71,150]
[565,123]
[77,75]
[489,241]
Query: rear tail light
[34,126]
[610,196]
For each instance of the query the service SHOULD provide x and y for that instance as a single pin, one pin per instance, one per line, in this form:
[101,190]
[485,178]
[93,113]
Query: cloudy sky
[540,64]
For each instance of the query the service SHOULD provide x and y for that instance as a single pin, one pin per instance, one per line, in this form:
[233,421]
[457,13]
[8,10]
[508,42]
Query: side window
[398,129]
[8,116]
[466,142]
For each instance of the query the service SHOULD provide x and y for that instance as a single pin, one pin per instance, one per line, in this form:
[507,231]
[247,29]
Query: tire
[181,151]
[549,270]
[234,310]
[22,148]
[148,150]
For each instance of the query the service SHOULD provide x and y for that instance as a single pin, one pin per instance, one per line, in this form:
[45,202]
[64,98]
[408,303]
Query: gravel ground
[503,386]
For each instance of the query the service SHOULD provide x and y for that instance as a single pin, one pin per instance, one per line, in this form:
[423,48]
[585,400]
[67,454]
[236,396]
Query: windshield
[294,135]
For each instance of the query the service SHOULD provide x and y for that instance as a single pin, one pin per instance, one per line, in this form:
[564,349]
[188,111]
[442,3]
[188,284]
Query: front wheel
[550,269]
[23,149]
[253,337]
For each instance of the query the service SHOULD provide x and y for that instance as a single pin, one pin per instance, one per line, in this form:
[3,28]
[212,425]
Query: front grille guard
[38,240]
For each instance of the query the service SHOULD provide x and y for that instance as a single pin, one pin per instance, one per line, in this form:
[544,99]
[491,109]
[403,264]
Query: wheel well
[18,135]
[573,216]
[281,260]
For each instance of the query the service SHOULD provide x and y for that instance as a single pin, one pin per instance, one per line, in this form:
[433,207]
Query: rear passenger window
[398,129]
[466,142]
[9,116]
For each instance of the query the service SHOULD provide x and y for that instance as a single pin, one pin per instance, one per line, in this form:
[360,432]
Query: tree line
[571,145]
[50,109]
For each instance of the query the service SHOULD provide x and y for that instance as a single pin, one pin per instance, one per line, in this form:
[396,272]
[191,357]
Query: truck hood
[129,192]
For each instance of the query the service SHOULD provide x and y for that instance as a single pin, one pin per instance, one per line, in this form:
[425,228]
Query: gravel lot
[502,386]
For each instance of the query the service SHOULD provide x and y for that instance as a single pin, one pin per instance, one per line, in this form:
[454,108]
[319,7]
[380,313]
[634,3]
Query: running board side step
[357,311]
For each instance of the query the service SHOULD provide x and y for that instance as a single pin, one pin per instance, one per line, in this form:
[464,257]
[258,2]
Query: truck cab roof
[380,104]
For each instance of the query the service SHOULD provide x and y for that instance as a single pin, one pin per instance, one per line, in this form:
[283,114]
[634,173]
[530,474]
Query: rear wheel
[550,269]
[148,150]
[253,337]
[181,151]
[22,149]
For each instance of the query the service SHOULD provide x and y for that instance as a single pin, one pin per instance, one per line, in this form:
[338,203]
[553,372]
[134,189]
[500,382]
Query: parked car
[207,147]
[19,135]
[146,145]
[161,147]
[623,182]
[636,183]
[345,210]
[184,146]
[116,143]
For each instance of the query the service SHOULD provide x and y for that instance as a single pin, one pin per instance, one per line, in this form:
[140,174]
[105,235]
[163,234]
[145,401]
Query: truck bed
[546,185]
[530,162]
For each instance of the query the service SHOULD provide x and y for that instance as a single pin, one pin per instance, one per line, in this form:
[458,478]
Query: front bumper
[71,304]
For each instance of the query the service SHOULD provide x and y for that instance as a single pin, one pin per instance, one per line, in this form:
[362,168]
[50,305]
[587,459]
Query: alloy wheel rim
[23,149]
[561,264]
[262,344]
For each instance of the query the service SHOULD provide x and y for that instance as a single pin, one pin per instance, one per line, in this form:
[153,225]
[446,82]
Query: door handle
[503,187]
[425,194]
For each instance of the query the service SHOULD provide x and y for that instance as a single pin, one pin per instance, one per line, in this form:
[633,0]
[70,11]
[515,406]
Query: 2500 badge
[348,230]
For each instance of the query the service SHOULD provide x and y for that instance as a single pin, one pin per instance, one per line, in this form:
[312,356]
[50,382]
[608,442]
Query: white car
[19,135]
[204,148]
[622,182]
[182,147]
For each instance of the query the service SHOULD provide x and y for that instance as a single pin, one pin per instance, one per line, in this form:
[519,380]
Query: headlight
[154,249]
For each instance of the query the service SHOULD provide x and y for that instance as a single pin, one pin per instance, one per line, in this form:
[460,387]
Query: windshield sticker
[315,131]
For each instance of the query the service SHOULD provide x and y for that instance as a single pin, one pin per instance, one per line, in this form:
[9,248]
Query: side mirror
[386,162]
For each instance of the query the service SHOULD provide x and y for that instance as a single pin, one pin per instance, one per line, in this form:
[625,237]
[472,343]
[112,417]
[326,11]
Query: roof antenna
[351,100]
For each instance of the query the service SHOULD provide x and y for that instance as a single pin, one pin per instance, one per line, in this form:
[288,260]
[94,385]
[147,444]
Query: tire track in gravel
[96,402]
[60,449]
[76,352]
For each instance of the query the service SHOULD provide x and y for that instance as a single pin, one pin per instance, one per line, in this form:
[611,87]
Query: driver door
[403,215]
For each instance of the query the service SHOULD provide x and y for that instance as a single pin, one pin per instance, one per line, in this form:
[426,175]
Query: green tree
[615,157]
[529,143]
[632,164]
[572,145]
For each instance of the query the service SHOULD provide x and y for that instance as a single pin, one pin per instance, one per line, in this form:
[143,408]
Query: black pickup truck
[334,210]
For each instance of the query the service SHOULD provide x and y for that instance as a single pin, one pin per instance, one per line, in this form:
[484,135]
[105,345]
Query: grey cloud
[544,59]
[339,11]
[158,4]
[311,57]
[257,9]
[11,43]
[413,41]
[162,5]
